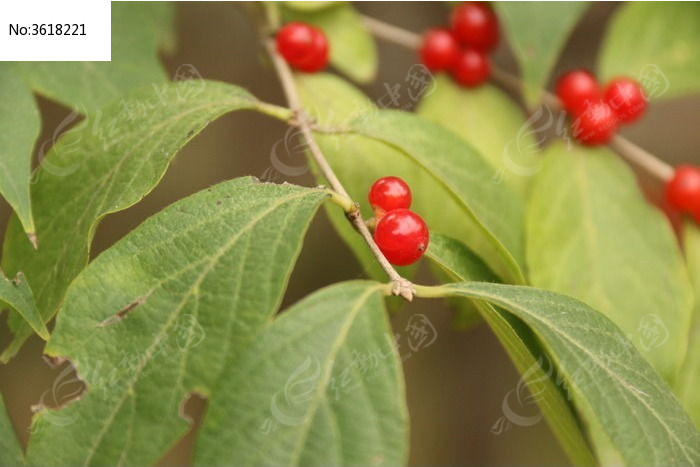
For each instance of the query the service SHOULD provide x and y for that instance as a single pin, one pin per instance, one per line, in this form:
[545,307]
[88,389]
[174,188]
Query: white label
[59,30]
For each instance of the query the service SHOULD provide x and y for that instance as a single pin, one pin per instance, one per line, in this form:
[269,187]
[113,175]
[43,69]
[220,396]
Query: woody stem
[400,286]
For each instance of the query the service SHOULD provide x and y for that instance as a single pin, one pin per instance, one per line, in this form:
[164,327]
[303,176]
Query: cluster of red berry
[303,46]
[462,50]
[401,234]
[596,113]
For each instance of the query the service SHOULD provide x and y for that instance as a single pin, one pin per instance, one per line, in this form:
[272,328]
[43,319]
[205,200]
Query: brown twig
[627,149]
[301,120]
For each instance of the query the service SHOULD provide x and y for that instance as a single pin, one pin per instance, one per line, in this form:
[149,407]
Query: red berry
[596,125]
[402,236]
[389,193]
[683,190]
[471,68]
[303,46]
[627,98]
[439,50]
[318,57]
[475,24]
[576,90]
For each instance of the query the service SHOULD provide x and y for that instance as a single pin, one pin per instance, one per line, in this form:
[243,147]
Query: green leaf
[19,127]
[491,122]
[537,33]
[358,162]
[352,48]
[163,312]
[690,375]
[493,212]
[611,384]
[522,347]
[308,6]
[103,165]
[658,43]
[10,450]
[18,295]
[138,28]
[321,385]
[441,168]
[593,236]
[162,17]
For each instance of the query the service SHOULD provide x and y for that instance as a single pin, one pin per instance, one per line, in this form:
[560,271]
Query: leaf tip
[33,240]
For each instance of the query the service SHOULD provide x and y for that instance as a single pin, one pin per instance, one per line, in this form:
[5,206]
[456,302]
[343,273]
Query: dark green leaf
[610,382]
[352,48]
[321,385]
[537,32]
[163,312]
[10,450]
[658,43]
[138,28]
[18,295]
[19,128]
[522,347]
[593,236]
[104,165]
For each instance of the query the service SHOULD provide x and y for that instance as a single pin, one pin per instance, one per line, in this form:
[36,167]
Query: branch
[301,120]
[627,149]
[391,33]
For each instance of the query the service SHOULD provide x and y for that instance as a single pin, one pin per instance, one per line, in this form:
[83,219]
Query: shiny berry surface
[303,46]
[475,25]
[439,50]
[576,90]
[389,193]
[683,190]
[472,68]
[596,125]
[626,97]
[402,236]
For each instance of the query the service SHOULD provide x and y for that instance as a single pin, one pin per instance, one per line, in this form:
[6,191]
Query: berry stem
[391,33]
[400,286]
[642,158]
[625,148]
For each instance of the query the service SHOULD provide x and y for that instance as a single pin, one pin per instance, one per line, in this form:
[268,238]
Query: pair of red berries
[463,48]
[303,46]
[401,234]
[597,113]
[683,191]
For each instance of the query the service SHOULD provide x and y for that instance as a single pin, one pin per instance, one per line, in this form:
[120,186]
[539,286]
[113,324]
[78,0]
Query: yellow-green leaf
[689,380]
[657,43]
[491,122]
[592,235]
